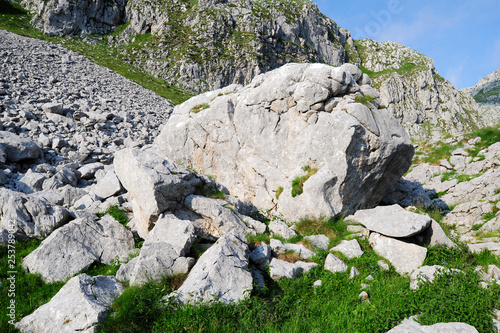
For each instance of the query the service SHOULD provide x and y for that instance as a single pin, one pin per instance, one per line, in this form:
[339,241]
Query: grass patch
[199,107]
[332,228]
[278,192]
[459,177]
[364,99]
[289,256]
[488,135]
[209,192]
[298,183]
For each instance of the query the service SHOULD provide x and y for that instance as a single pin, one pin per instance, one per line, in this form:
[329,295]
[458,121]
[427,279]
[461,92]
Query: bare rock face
[67,17]
[301,122]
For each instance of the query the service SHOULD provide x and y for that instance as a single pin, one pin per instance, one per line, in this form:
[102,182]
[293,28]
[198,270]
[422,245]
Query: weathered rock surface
[280,228]
[280,248]
[57,18]
[272,131]
[219,219]
[411,326]
[261,255]
[154,185]
[392,221]
[30,216]
[321,242]
[77,245]
[221,273]
[405,257]
[81,304]
[487,94]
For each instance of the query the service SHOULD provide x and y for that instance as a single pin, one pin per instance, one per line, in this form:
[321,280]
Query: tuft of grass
[290,256]
[254,241]
[199,107]
[298,183]
[278,192]
[459,177]
[488,135]
[209,192]
[364,99]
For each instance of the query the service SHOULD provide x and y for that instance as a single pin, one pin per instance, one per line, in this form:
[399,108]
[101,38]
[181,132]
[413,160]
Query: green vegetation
[209,192]
[460,177]
[364,99]
[279,191]
[298,183]
[488,96]
[488,135]
[198,108]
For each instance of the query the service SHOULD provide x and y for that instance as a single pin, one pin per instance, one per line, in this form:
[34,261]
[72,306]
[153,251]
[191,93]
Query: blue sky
[463,37]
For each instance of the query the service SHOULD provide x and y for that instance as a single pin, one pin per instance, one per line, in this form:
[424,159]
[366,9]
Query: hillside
[410,86]
[203,45]
[487,94]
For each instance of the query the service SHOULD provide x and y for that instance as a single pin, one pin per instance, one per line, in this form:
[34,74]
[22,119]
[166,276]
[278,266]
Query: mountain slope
[425,103]
[487,95]
[206,44]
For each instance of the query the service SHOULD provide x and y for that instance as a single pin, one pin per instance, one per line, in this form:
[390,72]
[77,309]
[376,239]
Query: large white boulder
[258,139]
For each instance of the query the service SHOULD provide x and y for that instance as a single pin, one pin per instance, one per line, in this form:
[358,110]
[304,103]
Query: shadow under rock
[408,193]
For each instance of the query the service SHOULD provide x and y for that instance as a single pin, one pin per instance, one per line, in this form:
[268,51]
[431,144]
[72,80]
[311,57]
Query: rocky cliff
[206,44]
[425,103]
[487,95]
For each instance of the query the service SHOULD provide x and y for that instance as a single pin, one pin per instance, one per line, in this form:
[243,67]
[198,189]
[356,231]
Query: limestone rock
[31,216]
[283,269]
[261,255]
[77,245]
[260,150]
[220,274]
[405,257]
[322,242]
[280,248]
[81,304]
[411,326]
[107,186]
[154,184]
[334,264]
[392,221]
[280,228]
[351,249]
[17,149]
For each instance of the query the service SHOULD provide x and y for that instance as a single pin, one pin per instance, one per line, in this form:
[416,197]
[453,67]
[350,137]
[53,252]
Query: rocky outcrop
[69,17]
[487,94]
[426,104]
[204,45]
[29,216]
[79,306]
[300,123]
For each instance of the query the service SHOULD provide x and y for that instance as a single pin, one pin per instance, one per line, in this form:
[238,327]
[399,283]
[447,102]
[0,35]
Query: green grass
[483,97]
[295,306]
[459,177]
[488,135]
[279,191]
[30,290]
[200,107]
[298,183]
[364,99]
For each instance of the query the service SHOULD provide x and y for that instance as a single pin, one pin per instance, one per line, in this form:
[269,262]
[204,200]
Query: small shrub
[298,183]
